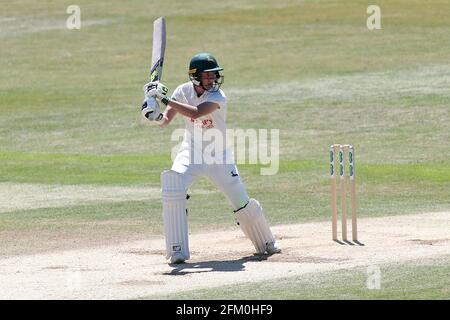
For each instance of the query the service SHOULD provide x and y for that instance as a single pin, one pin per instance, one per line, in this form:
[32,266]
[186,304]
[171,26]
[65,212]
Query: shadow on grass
[350,243]
[211,266]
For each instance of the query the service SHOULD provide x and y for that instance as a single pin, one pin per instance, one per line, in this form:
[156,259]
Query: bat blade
[159,47]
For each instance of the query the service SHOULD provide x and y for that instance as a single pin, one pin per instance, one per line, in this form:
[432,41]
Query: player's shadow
[211,266]
[344,242]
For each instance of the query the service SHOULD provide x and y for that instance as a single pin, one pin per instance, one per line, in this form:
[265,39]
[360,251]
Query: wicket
[343,189]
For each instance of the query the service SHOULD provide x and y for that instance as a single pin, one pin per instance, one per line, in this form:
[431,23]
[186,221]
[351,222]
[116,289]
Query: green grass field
[416,280]
[69,110]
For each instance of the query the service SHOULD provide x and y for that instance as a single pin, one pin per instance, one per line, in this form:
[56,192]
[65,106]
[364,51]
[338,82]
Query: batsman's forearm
[192,112]
[185,109]
[169,113]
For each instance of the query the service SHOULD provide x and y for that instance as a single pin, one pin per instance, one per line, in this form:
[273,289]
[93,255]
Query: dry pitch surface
[136,269]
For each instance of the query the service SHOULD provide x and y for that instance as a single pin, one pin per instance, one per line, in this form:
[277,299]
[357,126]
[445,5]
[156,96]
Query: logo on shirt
[233,174]
[203,123]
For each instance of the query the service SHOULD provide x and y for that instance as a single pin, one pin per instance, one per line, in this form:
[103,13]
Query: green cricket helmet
[205,62]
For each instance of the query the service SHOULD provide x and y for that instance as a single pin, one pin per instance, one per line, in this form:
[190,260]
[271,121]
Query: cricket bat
[159,46]
[158,49]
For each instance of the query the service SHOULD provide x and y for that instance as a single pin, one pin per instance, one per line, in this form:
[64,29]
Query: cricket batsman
[203,105]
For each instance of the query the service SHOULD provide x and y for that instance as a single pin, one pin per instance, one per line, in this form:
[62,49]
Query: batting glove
[150,110]
[155,90]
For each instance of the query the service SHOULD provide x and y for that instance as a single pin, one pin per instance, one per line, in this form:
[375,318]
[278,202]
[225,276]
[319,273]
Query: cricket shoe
[272,247]
[177,258]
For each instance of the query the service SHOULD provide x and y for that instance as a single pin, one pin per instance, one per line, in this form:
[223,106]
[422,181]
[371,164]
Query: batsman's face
[208,79]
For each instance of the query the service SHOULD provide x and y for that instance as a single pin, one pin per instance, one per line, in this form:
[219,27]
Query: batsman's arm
[168,116]
[191,111]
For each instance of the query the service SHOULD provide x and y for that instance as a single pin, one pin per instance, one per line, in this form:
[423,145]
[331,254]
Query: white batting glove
[155,90]
[150,110]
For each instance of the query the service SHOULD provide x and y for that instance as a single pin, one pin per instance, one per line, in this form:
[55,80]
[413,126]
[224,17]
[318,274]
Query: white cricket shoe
[272,248]
[177,258]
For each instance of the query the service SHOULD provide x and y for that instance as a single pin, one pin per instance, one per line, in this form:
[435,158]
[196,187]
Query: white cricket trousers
[224,176]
